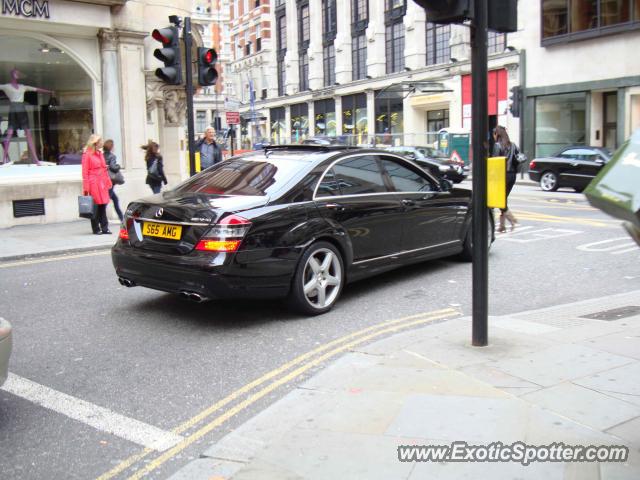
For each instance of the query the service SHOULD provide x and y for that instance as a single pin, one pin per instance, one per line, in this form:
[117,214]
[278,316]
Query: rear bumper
[253,274]
[534,175]
[6,343]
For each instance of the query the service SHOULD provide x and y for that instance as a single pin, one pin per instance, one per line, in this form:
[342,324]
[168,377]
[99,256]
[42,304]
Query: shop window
[299,122]
[354,118]
[560,121]
[389,115]
[277,120]
[325,117]
[60,122]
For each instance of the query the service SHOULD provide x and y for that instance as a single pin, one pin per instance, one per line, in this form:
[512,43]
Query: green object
[616,189]
[451,141]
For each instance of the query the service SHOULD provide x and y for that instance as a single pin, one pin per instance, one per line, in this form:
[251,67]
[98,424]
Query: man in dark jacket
[210,151]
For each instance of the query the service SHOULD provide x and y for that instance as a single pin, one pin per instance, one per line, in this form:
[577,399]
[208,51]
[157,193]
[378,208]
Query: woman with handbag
[155,168]
[96,182]
[114,174]
[504,147]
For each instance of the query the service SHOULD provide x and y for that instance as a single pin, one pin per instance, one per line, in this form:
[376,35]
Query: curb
[52,253]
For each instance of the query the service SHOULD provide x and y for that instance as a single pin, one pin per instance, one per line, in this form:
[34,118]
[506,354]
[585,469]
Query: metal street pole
[189,90]
[479,127]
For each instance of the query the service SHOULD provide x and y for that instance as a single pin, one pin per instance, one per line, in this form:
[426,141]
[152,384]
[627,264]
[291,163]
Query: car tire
[549,181]
[467,246]
[318,279]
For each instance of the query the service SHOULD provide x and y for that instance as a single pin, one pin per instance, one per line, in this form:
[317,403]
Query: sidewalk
[550,375]
[53,238]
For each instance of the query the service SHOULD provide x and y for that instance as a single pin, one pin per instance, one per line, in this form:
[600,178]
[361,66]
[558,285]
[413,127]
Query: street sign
[233,118]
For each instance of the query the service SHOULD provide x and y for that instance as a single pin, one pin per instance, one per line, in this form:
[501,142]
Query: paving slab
[314,454]
[625,342]
[628,431]
[584,405]
[621,383]
[560,363]
[449,418]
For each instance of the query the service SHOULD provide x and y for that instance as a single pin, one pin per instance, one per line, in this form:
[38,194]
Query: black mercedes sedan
[297,222]
[572,167]
[438,166]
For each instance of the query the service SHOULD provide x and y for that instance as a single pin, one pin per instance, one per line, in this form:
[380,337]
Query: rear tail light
[124,228]
[225,236]
[532,164]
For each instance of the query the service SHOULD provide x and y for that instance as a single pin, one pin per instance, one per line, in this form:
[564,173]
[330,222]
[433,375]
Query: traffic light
[515,101]
[447,11]
[207,74]
[171,73]
[502,15]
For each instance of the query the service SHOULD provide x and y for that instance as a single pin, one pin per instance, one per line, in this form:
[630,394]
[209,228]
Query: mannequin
[18,119]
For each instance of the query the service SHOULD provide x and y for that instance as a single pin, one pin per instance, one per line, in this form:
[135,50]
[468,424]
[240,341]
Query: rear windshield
[241,177]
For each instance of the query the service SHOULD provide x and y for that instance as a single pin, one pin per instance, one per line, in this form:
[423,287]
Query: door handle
[408,203]
[574,164]
[335,206]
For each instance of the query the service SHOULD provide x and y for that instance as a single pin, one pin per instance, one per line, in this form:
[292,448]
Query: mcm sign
[26,8]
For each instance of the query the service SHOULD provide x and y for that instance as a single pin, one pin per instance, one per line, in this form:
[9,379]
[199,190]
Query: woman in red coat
[96,182]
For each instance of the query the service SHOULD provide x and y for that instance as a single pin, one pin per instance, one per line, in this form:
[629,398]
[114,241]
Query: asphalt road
[158,360]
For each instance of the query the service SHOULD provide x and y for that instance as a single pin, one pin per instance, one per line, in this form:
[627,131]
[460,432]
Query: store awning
[407,87]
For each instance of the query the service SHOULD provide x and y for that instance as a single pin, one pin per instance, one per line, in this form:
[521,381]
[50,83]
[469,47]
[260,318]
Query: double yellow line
[268,383]
[542,217]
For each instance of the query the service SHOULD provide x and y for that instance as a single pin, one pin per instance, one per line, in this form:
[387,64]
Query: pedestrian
[96,182]
[155,168]
[210,151]
[114,174]
[503,147]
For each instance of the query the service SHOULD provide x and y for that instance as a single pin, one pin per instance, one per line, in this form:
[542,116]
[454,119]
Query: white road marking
[537,234]
[97,417]
[614,246]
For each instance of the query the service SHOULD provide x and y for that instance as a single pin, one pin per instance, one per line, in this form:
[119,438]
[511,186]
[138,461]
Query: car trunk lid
[174,223]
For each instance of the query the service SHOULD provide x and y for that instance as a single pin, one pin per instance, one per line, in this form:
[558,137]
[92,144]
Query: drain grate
[615,314]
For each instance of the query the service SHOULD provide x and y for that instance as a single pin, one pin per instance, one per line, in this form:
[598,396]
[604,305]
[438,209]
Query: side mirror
[445,185]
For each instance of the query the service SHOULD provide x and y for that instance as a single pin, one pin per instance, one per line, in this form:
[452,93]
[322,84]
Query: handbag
[86,206]
[154,172]
[116,177]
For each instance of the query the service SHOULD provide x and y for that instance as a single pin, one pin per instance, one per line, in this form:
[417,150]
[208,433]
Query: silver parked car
[5,349]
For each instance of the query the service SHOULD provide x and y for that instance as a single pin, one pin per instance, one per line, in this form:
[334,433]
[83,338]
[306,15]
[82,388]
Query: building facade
[582,73]
[375,72]
[93,63]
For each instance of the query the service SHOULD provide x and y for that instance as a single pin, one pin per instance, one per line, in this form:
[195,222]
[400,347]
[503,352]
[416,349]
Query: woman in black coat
[505,148]
[155,168]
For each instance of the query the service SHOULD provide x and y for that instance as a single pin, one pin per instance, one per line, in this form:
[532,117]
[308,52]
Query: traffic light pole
[479,124]
[189,89]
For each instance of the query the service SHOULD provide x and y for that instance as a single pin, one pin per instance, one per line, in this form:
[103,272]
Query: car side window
[358,175]
[578,154]
[329,185]
[405,179]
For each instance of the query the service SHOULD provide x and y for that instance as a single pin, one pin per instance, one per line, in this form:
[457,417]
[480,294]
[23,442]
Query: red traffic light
[208,56]
[165,35]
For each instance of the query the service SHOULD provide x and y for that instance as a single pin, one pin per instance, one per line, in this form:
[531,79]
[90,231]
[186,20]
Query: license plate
[162,230]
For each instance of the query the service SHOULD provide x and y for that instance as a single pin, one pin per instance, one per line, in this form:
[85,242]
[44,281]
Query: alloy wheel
[322,278]
[548,181]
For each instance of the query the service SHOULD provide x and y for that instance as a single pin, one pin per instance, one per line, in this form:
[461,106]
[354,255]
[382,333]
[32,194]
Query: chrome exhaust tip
[196,297]
[126,282]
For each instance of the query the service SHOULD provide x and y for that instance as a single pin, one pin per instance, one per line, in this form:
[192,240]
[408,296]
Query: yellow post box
[497,182]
